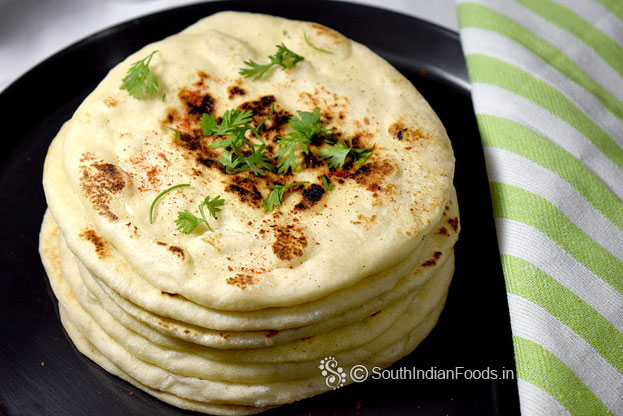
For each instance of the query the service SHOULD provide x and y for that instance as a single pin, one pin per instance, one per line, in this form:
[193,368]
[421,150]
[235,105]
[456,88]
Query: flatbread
[115,159]
[203,385]
[234,317]
[117,276]
[305,349]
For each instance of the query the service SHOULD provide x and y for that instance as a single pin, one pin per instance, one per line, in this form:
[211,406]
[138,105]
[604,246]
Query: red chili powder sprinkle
[151,176]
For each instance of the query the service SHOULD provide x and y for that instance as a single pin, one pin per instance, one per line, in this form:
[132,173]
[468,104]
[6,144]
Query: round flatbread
[263,206]
[120,152]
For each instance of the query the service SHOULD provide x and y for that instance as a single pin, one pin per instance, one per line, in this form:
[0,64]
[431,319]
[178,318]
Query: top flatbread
[119,153]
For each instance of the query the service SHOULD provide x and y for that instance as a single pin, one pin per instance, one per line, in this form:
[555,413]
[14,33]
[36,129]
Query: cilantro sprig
[139,81]
[276,195]
[306,127]
[338,152]
[187,222]
[240,153]
[244,149]
[160,195]
[284,57]
[234,121]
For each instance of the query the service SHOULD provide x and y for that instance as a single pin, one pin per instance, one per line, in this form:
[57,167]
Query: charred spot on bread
[99,182]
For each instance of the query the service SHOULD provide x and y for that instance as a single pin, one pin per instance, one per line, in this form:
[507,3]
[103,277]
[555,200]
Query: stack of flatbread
[235,317]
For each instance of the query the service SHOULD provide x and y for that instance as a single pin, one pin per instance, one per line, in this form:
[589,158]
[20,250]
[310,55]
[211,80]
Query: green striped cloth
[547,86]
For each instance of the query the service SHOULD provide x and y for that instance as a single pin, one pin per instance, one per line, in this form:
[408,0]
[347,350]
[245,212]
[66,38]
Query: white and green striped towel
[547,86]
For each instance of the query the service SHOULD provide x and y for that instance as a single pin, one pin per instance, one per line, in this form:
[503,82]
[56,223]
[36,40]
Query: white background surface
[33,30]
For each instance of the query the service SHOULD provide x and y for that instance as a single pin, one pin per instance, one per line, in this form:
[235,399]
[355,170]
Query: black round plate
[40,371]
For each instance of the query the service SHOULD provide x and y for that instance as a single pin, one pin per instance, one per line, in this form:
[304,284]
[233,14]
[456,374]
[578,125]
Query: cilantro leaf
[230,161]
[213,207]
[187,222]
[284,57]
[233,127]
[208,124]
[256,129]
[306,127]
[338,152]
[233,141]
[257,160]
[139,81]
[326,185]
[273,200]
[276,195]
[286,154]
[175,131]
[308,124]
[233,120]
[361,156]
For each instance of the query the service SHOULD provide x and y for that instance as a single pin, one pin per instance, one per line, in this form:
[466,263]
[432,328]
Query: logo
[335,376]
[359,373]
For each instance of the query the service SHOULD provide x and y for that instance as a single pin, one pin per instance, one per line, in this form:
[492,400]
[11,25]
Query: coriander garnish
[326,185]
[311,45]
[284,57]
[338,152]
[160,195]
[233,127]
[233,121]
[306,127]
[175,131]
[276,195]
[186,220]
[139,81]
